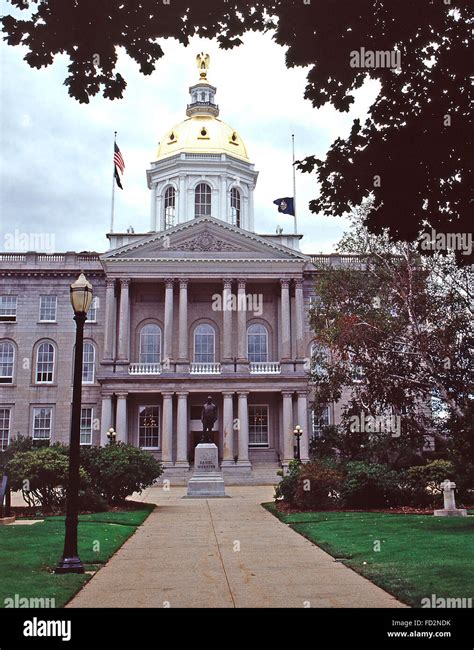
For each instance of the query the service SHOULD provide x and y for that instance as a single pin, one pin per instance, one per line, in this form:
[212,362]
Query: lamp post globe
[81,295]
[298,432]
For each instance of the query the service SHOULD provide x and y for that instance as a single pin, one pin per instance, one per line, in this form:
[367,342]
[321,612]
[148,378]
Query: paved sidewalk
[223,553]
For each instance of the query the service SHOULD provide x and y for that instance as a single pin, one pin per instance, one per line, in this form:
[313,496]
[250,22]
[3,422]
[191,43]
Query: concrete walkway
[223,553]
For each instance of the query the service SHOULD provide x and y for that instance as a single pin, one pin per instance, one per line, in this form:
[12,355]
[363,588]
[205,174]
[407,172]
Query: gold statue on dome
[203,61]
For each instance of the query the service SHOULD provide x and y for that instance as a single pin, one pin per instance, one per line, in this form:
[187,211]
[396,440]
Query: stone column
[299,315]
[183,354]
[167,430]
[228,428]
[109,353]
[243,459]
[182,431]
[124,321]
[181,201]
[227,361]
[242,359]
[168,333]
[105,417]
[285,321]
[121,424]
[153,208]
[288,436]
[302,408]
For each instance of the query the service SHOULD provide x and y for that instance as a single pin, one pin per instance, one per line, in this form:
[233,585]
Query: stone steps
[258,475]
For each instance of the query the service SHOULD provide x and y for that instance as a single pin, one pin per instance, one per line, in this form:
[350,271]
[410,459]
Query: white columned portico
[121,424]
[168,333]
[228,427]
[285,321]
[183,354]
[227,362]
[242,359]
[302,409]
[167,430]
[124,321]
[105,417]
[182,431]
[288,447]
[243,458]
[109,353]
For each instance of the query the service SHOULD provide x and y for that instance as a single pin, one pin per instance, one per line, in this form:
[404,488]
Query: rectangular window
[320,421]
[149,427]
[88,363]
[42,422]
[92,313]
[48,306]
[258,425]
[4,428]
[87,417]
[8,306]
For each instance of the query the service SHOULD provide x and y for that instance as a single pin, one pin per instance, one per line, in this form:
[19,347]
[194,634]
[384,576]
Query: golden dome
[202,133]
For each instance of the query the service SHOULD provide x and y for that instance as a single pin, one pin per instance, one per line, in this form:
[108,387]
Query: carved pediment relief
[205,241]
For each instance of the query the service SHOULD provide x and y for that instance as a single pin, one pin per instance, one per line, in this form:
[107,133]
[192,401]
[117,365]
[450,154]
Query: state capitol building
[201,305]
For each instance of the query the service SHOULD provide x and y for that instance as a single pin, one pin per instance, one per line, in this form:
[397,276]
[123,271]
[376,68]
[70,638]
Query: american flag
[118,160]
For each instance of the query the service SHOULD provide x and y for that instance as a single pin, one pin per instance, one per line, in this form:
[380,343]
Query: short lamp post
[81,299]
[112,436]
[298,432]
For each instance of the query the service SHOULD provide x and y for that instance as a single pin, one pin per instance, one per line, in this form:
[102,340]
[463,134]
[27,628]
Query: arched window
[235,206]
[202,200]
[7,362]
[257,343]
[150,344]
[204,344]
[170,207]
[45,363]
[88,363]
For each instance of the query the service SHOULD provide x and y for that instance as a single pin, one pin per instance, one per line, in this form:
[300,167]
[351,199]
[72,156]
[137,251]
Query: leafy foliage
[118,470]
[416,136]
[405,324]
[42,474]
[369,485]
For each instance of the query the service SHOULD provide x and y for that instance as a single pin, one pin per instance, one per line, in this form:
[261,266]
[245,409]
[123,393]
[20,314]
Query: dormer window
[172,137]
[234,139]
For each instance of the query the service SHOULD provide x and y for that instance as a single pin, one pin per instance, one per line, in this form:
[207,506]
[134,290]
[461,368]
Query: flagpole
[113,187]
[294,180]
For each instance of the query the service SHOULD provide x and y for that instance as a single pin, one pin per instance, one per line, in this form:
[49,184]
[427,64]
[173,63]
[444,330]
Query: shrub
[42,475]
[118,470]
[423,482]
[370,485]
[318,486]
[286,489]
[20,443]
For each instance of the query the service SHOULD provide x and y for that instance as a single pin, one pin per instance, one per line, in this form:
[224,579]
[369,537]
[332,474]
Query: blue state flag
[286,205]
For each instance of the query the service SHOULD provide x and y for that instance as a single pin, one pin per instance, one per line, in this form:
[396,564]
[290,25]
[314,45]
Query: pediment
[202,238]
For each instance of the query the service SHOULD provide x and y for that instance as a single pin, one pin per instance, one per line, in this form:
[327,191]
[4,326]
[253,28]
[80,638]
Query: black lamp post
[298,431]
[81,299]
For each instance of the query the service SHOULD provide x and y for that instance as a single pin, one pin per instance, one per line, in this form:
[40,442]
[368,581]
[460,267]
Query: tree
[399,333]
[412,152]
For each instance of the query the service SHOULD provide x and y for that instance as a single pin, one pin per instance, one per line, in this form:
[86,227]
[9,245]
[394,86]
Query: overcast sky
[56,154]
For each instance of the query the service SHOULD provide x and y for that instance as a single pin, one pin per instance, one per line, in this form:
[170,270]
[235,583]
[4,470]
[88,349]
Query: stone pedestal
[449,509]
[206,481]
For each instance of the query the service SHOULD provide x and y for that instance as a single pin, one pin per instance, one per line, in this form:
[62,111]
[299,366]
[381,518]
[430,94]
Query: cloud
[56,167]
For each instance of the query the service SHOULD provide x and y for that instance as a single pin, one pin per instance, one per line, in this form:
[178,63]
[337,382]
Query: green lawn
[28,554]
[419,555]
